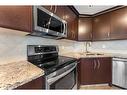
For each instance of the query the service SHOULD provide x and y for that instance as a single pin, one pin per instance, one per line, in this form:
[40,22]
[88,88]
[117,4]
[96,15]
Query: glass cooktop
[54,64]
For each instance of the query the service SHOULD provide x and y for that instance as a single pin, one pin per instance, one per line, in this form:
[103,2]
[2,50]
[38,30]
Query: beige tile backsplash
[13,45]
[115,47]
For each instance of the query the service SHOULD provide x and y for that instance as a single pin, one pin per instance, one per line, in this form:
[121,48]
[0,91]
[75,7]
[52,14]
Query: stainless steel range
[60,71]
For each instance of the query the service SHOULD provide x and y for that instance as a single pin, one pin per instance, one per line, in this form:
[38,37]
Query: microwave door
[56,27]
[43,19]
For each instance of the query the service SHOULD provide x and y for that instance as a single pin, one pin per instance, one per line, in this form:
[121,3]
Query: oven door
[66,80]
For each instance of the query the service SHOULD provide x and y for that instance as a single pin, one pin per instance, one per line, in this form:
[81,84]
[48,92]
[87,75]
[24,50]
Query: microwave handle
[65,28]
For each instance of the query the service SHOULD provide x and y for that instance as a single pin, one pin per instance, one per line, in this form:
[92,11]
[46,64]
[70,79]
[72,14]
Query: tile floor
[98,87]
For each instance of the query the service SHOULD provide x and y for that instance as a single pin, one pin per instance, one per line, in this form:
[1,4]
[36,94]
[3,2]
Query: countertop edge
[18,84]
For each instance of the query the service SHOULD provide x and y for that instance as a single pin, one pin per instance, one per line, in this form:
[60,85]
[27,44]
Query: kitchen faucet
[87,44]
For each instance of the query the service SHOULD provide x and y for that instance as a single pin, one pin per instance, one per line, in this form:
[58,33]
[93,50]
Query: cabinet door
[60,11]
[103,71]
[101,27]
[72,23]
[16,17]
[38,83]
[119,24]
[85,29]
[86,74]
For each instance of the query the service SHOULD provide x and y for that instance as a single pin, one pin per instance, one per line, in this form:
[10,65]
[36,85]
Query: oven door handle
[52,80]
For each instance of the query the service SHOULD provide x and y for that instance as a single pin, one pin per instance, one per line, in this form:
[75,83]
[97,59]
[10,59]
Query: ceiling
[91,9]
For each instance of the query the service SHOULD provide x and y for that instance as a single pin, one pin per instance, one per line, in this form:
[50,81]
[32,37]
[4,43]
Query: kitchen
[91,38]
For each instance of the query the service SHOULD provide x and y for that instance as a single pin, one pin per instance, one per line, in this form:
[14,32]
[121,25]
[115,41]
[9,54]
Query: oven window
[67,82]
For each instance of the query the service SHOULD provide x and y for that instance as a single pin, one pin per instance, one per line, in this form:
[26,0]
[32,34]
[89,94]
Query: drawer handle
[98,64]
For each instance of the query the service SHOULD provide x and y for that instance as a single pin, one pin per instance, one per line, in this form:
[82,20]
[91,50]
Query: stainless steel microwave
[47,24]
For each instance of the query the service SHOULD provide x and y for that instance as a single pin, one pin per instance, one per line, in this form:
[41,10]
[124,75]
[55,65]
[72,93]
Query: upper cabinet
[16,17]
[119,24]
[50,8]
[72,23]
[101,27]
[85,29]
[108,26]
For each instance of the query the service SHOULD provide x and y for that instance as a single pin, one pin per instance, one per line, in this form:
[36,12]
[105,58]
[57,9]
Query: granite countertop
[16,74]
[117,55]
[84,55]
[96,54]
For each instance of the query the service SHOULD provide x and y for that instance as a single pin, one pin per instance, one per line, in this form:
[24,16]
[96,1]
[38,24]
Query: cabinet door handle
[55,9]
[98,64]
[51,7]
[95,64]
[91,35]
[108,34]
[72,35]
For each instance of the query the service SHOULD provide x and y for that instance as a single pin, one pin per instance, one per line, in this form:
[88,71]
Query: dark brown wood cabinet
[72,23]
[85,29]
[101,27]
[103,70]
[60,11]
[16,17]
[50,8]
[95,71]
[119,24]
[86,71]
[38,83]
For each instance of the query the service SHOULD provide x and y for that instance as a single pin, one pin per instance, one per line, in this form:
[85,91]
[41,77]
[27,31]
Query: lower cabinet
[38,83]
[95,71]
